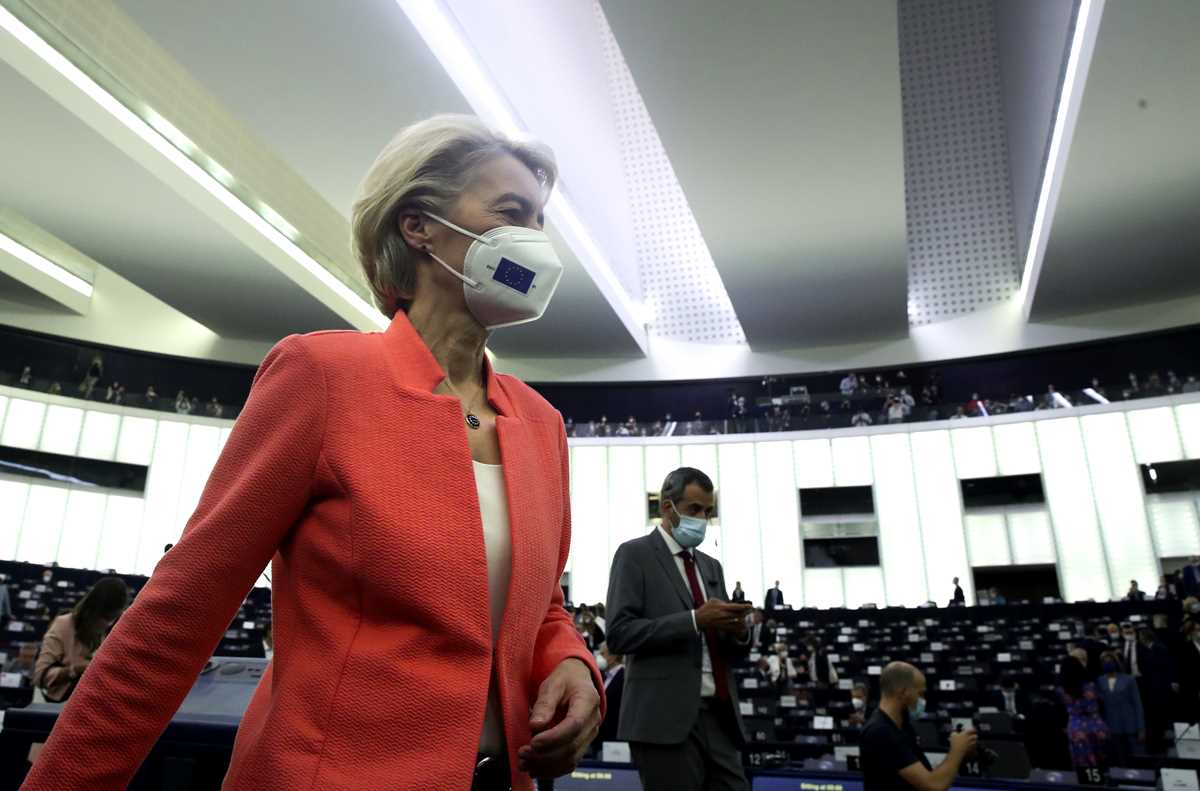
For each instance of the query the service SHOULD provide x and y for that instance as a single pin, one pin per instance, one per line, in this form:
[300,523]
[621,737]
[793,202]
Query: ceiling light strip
[160,143]
[45,265]
[1083,42]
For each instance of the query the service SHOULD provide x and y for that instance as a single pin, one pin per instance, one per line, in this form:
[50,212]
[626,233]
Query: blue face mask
[918,711]
[690,531]
[1110,667]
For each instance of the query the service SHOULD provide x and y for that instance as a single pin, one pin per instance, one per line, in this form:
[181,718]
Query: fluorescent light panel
[44,265]
[172,151]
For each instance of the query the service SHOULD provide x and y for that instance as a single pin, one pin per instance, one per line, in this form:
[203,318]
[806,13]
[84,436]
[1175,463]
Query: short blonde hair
[425,167]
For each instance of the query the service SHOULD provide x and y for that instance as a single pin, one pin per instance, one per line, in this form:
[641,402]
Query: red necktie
[720,676]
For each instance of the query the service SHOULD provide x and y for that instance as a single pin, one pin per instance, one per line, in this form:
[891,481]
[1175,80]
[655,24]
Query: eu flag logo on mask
[513,275]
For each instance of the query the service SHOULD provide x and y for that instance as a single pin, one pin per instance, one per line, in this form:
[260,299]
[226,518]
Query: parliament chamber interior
[599,394]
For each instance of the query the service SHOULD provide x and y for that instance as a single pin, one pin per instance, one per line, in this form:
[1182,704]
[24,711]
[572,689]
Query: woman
[73,637]
[1086,732]
[416,507]
[1122,708]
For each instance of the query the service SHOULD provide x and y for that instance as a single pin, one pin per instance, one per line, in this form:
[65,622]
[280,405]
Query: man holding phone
[891,758]
[670,616]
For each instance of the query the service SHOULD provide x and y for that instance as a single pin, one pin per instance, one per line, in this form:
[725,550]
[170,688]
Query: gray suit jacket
[649,621]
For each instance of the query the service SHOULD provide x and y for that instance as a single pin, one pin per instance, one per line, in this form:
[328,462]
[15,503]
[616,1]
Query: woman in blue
[1086,731]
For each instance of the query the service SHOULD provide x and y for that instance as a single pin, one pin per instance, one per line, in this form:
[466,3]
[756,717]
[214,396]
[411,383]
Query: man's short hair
[897,677]
[679,480]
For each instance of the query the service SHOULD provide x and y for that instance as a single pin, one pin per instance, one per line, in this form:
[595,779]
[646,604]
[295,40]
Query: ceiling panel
[782,120]
[1127,225]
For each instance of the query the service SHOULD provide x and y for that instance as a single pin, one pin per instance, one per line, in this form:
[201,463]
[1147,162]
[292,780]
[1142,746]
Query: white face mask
[509,274]
[601,663]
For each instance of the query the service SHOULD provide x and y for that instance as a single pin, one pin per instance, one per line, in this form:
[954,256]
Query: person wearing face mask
[1133,653]
[378,470]
[72,638]
[613,668]
[1123,713]
[783,669]
[858,703]
[668,613]
[1188,663]
[890,756]
[820,670]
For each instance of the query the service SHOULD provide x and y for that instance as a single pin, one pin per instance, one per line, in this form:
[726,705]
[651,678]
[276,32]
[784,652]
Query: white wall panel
[23,423]
[119,538]
[814,463]
[741,551]
[660,460]
[1187,416]
[225,432]
[3,411]
[779,520]
[703,458]
[1081,567]
[627,514]
[60,434]
[1117,487]
[99,437]
[42,525]
[824,588]
[14,494]
[864,585]
[987,540]
[852,461]
[1174,523]
[1030,535]
[1155,436]
[81,529]
[974,452]
[940,509]
[136,442]
[589,533]
[1016,449]
[162,497]
[203,447]
[900,546]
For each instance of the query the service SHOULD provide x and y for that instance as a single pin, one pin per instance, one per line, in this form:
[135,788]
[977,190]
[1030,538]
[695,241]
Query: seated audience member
[1135,593]
[858,699]
[1123,711]
[1165,589]
[1010,698]
[1086,731]
[783,669]
[738,594]
[820,670]
[25,660]
[998,598]
[73,637]
[762,672]
[613,668]
[598,613]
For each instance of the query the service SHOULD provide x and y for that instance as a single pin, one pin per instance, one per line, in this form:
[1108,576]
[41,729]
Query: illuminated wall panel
[823,588]
[1173,520]
[864,585]
[987,540]
[23,423]
[900,545]
[81,529]
[119,536]
[162,497]
[1031,536]
[1081,565]
[1187,416]
[1016,449]
[627,516]
[60,434]
[589,539]
[779,520]
[1117,487]
[99,437]
[814,463]
[940,510]
[42,525]
[1155,436]
[13,496]
[660,460]
[852,461]
[741,553]
[136,442]
[974,452]
[203,447]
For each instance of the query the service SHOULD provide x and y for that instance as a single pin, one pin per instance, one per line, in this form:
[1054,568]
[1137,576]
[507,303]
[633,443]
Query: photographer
[891,758]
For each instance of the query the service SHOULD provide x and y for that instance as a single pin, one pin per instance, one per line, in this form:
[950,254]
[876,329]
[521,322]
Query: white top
[708,687]
[497,540]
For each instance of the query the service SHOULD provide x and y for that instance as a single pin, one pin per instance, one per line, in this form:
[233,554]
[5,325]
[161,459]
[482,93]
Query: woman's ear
[414,228]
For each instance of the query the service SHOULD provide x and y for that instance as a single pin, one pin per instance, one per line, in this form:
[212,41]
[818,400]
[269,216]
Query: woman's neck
[454,338]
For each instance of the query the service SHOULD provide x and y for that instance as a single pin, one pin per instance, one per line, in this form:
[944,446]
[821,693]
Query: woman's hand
[564,720]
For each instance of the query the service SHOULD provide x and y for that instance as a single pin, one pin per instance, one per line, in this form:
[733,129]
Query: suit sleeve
[259,486]
[557,637]
[629,630]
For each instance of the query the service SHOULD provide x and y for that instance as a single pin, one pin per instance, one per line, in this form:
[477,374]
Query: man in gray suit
[668,613]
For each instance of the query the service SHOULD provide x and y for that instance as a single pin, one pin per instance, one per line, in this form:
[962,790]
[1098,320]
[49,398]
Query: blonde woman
[380,471]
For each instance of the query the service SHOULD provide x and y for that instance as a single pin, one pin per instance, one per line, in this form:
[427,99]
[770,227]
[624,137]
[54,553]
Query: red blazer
[357,480]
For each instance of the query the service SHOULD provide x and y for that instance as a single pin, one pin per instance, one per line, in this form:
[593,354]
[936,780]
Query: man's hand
[564,720]
[963,743]
[722,616]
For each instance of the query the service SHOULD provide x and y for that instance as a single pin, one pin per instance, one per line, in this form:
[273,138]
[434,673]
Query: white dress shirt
[708,687]
[497,540]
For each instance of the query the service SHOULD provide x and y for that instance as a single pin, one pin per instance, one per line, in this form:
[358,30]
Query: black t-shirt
[885,749]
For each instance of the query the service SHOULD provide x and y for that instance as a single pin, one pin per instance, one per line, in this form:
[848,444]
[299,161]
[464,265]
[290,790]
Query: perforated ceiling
[683,292]
[961,235]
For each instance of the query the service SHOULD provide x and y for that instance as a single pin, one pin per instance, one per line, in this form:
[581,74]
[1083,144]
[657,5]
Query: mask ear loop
[469,281]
